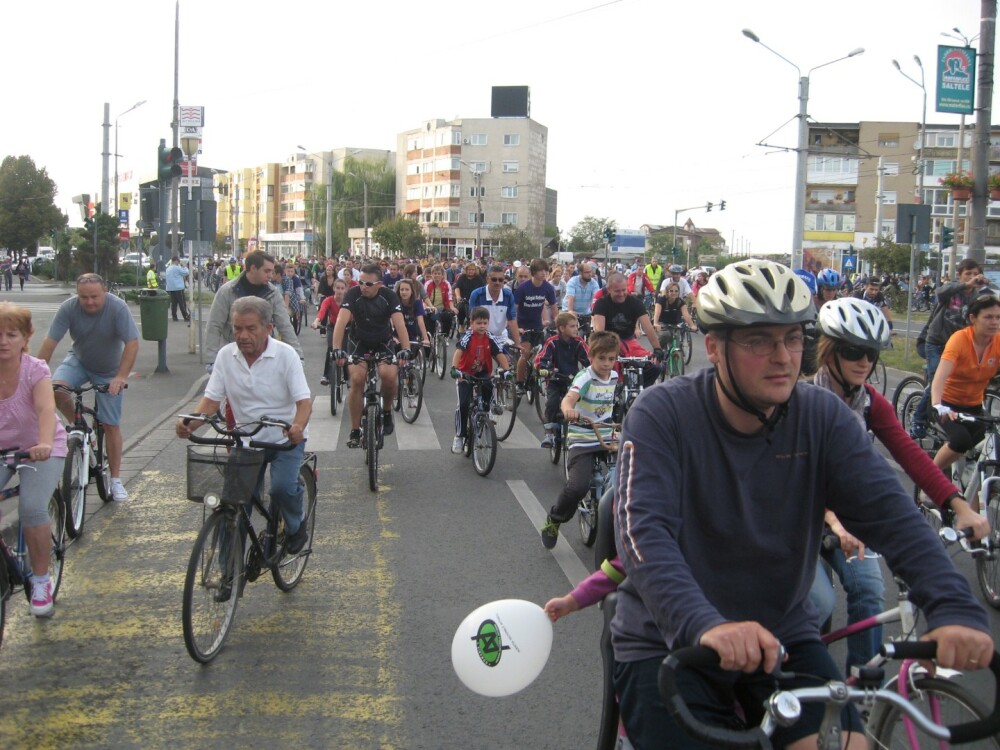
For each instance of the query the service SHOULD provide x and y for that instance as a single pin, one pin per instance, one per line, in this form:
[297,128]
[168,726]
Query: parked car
[133,258]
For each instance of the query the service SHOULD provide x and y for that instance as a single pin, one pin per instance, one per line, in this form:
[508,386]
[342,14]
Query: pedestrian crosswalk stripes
[423,435]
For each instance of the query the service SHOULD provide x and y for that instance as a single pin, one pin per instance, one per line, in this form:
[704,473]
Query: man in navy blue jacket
[723,480]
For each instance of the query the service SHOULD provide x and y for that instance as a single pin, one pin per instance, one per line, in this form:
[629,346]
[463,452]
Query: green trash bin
[153,304]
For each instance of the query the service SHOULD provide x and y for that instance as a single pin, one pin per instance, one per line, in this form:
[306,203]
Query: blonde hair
[16,318]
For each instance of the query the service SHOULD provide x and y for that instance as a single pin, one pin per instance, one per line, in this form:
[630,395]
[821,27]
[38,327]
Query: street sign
[123,233]
[190,182]
[123,216]
[192,117]
[849,264]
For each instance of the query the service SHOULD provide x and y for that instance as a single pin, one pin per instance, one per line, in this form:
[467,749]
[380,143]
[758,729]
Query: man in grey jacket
[255,280]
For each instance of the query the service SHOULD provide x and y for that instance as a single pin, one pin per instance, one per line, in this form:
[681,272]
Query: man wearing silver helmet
[718,527]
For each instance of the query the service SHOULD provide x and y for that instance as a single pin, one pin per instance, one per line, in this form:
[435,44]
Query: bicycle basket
[230,475]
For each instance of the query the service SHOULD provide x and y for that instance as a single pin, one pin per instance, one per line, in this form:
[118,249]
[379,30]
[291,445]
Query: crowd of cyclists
[766,330]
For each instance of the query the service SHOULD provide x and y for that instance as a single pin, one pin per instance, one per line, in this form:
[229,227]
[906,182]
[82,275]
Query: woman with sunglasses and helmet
[852,333]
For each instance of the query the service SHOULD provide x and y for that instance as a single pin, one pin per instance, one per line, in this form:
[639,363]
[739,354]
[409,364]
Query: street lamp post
[365,184]
[134,106]
[329,195]
[478,175]
[802,146]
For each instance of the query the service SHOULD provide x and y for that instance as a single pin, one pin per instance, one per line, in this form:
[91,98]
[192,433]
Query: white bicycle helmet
[855,321]
[754,292]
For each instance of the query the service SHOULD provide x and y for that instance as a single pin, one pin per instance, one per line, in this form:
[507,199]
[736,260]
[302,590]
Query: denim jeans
[934,353]
[286,490]
[865,589]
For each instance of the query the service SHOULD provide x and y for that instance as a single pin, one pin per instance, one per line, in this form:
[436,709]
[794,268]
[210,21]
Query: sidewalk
[152,398]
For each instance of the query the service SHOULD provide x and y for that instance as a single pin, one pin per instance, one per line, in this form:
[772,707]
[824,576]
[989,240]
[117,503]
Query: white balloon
[501,647]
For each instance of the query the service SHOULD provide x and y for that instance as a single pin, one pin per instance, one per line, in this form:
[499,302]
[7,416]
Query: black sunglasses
[498,279]
[855,353]
[369,283]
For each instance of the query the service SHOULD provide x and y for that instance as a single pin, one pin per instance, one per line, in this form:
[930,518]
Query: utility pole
[976,229]
[175,192]
[365,183]
[105,153]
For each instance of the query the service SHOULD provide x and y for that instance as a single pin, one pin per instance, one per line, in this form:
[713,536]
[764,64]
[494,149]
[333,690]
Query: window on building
[829,222]
[511,139]
[891,169]
[472,218]
[413,193]
[456,191]
[477,166]
[888,140]
[889,197]
[478,139]
[508,218]
[412,168]
[472,191]
[456,137]
[942,140]
[510,166]
[508,191]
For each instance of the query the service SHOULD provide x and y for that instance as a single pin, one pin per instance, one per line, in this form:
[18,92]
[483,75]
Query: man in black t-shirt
[463,288]
[619,311]
[369,314]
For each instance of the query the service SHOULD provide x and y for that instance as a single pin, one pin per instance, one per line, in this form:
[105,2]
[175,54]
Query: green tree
[661,245]
[399,235]
[587,235]
[27,207]
[107,247]
[348,200]
[891,257]
[514,243]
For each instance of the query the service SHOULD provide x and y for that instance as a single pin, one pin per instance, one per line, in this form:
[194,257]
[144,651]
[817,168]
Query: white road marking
[574,570]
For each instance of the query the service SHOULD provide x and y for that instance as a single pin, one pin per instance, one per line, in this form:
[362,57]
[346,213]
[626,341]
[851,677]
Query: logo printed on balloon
[489,643]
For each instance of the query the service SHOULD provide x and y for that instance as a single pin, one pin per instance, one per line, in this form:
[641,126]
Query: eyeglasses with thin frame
[764,346]
[369,283]
[853,353]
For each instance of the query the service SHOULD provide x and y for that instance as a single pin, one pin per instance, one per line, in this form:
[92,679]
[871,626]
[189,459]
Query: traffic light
[722,205]
[169,162]
[947,236]
[88,223]
[708,207]
[609,235]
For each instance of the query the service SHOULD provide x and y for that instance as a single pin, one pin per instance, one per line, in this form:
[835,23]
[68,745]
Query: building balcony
[831,207]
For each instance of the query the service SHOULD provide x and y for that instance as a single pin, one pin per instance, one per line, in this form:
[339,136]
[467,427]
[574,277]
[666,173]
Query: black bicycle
[480,431]
[86,458]
[410,393]
[227,474]
[372,427]
[630,384]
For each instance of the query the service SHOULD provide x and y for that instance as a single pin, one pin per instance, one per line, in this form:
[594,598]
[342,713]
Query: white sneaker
[458,444]
[118,491]
[41,599]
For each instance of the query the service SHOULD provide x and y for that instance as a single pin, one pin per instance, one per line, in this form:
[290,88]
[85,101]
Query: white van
[46,253]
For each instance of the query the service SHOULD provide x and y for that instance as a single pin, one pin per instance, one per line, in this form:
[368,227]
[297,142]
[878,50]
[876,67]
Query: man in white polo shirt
[263,377]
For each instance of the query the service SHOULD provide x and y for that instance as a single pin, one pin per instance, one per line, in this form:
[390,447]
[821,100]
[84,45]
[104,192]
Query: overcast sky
[651,106]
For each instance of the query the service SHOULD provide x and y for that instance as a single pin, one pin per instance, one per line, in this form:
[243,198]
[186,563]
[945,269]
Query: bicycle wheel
[57,524]
[687,345]
[540,395]
[371,444]
[4,596]
[988,567]
[587,515]
[73,488]
[877,377]
[484,445]
[335,376]
[505,396]
[212,586]
[288,572]
[296,320]
[556,448]
[908,385]
[103,468]
[420,363]
[411,394]
[909,409]
[441,355]
[675,363]
[956,706]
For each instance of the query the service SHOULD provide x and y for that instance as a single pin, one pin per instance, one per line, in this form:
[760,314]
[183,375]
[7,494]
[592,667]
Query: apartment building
[247,206]
[859,172]
[464,179]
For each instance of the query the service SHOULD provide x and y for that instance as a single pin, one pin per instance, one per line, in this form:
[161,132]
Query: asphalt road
[359,654]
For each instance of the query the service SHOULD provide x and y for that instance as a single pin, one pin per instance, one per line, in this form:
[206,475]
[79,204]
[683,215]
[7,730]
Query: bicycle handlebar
[693,657]
[984,418]
[235,435]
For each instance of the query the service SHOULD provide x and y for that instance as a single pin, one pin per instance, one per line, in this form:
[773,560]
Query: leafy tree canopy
[514,244]
[400,235]
[27,208]
[587,235]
